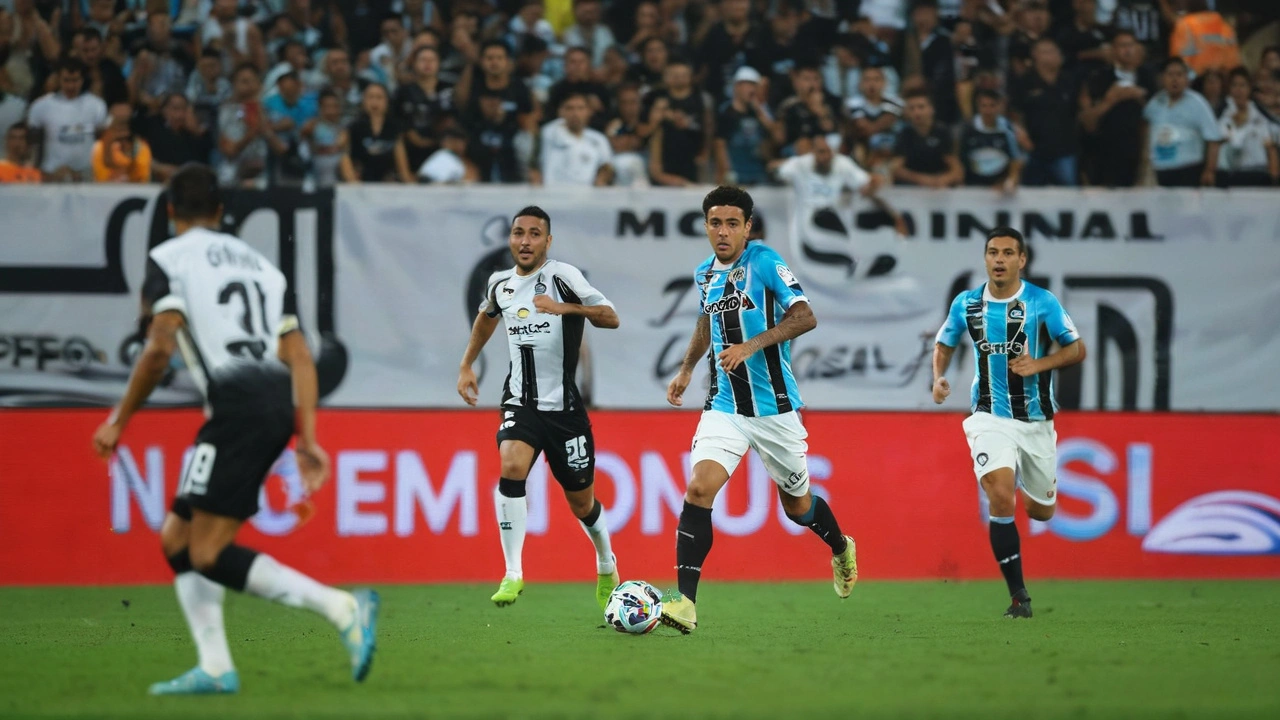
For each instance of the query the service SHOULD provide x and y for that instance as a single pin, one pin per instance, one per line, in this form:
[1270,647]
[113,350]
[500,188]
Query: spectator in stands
[160,64]
[1204,39]
[648,25]
[613,73]
[328,140]
[931,55]
[1267,93]
[1183,135]
[119,156]
[1084,41]
[1032,25]
[462,48]
[530,20]
[726,48]
[375,151]
[534,68]
[423,107]
[208,89]
[450,164]
[782,44]
[293,58]
[291,114]
[31,43]
[924,154]
[648,73]
[65,124]
[683,123]
[12,110]
[421,14]
[245,136]
[104,18]
[17,166]
[1144,19]
[235,37]
[630,159]
[810,111]
[1212,84]
[105,78]
[743,131]
[991,147]
[176,137]
[492,144]
[1046,104]
[1111,105]
[570,152]
[888,17]
[589,32]
[874,117]
[578,81]
[494,74]
[390,58]
[343,83]
[1248,157]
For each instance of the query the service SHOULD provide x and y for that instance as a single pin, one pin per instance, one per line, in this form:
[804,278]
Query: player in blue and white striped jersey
[752,307]
[1013,325]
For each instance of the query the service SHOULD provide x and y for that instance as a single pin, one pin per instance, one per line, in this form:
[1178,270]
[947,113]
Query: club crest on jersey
[539,288]
[737,275]
[730,303]
[522,313]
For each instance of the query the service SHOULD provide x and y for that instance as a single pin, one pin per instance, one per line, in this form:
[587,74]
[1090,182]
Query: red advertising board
[1141,495]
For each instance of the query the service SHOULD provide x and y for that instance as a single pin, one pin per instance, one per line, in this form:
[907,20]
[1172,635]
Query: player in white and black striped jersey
[232,315]
[545,304]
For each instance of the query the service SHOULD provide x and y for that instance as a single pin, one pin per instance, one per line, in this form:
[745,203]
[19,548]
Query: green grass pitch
[1095,649]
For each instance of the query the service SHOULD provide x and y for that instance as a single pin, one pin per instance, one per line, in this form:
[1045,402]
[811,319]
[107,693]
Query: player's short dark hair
[728,195]
[536,212]
[1170,62]
[1005,231]
[73,65]
[194,193]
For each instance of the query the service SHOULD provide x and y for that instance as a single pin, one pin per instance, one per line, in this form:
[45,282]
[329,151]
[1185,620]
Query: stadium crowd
[936,93]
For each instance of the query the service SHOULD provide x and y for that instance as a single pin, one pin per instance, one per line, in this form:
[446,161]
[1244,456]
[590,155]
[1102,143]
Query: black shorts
[565,436]
[250,426]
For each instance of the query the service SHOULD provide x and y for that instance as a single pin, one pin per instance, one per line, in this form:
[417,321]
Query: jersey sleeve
[161,291]
[954,326]
[289,318]
[854,176]
[778,278]
[573,287]
[489,305]
[790,169]
[1061,328]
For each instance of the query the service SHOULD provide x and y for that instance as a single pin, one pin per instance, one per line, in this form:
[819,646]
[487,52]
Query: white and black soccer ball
[634,607]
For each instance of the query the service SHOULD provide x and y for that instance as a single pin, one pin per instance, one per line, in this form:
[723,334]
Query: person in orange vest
[17,167]
[120,156]
[1204,39]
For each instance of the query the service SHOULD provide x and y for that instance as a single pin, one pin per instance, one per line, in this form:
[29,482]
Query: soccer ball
[634,607]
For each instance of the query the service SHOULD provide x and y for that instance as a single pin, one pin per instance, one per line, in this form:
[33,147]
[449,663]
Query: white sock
[512,514]
[201,602]
[599,534]
[281,583]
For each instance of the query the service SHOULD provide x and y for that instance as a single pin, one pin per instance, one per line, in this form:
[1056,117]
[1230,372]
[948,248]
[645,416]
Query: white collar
[987,297]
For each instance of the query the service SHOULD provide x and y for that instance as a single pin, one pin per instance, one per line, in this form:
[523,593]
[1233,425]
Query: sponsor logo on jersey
[1017,314]
[784,272]
[982,458]
[522,313]
[731,303]
[1004,348]
[795,480]
[542,328]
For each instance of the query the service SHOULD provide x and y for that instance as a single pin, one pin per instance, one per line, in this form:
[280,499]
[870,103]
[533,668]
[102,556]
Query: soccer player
[544,303]
[233,316]
[1012,324]
[752,307]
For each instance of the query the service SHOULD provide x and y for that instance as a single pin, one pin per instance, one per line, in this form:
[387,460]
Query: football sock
[693,543]
[281,583]
[1005,545]
[823,523]
[513,511]
[597,527]
[201,601]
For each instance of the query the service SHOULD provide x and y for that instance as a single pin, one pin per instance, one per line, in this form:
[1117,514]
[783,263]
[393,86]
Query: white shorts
[1030,449]
[779,440]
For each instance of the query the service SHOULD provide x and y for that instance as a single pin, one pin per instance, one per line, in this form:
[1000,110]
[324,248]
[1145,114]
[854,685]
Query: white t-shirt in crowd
[70,128]
[443,167]
[569,159]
